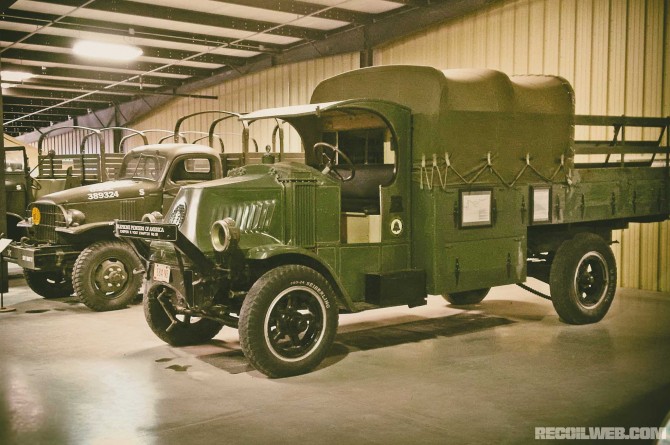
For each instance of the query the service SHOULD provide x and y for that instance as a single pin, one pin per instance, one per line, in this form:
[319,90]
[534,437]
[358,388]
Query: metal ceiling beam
[91,75]
[82,63]
[303,8]
[65,95]
[44,103]
[10,114]
[72,85]
[23,109]
[52,41]
[195,18]
[38,123]
[120,90]
[17,127]
[120,29]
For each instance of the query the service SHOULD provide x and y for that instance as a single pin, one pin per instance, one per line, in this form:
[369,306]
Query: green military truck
[70,244]
[416,181]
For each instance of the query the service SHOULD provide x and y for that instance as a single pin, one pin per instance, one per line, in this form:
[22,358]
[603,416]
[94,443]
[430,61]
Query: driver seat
[361,193]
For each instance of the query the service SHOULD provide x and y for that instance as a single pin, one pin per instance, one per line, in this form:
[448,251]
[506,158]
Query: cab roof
[174,150]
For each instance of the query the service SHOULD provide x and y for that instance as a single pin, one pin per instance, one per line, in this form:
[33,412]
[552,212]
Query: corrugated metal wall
[613,53]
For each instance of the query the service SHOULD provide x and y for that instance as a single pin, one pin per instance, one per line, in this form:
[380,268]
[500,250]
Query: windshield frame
[161,161]
[21,153]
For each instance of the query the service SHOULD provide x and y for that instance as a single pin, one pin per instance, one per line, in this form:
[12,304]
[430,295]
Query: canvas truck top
[473,117]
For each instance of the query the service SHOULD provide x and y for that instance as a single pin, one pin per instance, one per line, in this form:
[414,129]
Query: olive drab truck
[69,244]
[416,181]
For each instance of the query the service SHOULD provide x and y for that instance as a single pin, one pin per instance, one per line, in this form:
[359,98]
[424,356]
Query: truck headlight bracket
[224,233]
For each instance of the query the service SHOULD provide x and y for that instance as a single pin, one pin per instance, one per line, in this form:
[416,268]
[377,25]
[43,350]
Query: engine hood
[254,196]
[105,191]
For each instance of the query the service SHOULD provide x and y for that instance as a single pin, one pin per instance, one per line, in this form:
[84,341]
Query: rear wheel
[288,321]
[176,329]
[467,297]
[103,275]
[49,284]
[583,279]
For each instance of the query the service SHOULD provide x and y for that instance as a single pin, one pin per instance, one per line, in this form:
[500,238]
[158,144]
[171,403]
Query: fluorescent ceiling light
[14,76]
[107,51]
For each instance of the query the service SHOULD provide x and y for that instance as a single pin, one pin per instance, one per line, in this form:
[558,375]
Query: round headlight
[152,217]
[224,233]
[74,217]
[36,216]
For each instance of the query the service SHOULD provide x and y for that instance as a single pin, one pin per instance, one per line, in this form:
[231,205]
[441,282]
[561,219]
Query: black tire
[186,331]
[583,279]
[13,232]
[288,321]
[467,297]
[103,275]
[49,284]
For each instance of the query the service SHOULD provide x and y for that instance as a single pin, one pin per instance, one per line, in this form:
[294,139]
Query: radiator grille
[51,217]
[129,210]
[304,216]
[251,216]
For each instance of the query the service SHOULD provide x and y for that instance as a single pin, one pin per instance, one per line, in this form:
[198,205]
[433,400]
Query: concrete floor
[434,374]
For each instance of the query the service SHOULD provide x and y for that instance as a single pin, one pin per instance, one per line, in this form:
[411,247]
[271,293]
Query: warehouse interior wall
[613,52]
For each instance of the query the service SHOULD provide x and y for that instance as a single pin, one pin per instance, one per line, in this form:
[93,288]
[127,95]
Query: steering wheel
[328,162]
[35,184]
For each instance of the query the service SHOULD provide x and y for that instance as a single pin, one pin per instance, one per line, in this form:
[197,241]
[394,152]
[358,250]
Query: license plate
[162,273]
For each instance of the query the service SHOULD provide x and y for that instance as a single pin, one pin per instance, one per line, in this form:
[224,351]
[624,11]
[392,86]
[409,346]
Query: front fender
[14,230]
[280,254]
[87,233]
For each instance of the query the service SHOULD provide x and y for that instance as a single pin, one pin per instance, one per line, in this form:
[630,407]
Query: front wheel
[467,297]
[173,328]
[582,280]
[103,275]
[49,284]
[288,321]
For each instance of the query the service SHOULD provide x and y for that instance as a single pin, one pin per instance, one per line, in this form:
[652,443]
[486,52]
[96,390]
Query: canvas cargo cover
[472,113]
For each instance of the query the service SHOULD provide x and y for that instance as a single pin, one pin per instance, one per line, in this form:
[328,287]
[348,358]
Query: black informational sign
[146,230]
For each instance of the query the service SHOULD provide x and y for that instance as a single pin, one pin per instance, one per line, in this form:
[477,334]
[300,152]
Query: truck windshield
[14,161]
[143,166]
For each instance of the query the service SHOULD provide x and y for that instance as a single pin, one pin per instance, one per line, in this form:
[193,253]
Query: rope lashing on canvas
[442,166]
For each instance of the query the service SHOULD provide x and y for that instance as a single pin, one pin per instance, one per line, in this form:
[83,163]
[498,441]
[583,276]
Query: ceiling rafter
[44,102]
[81,63]
[67,43]
[305,8]
[65,95]
[121,29]
[88,74]
[156,11]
